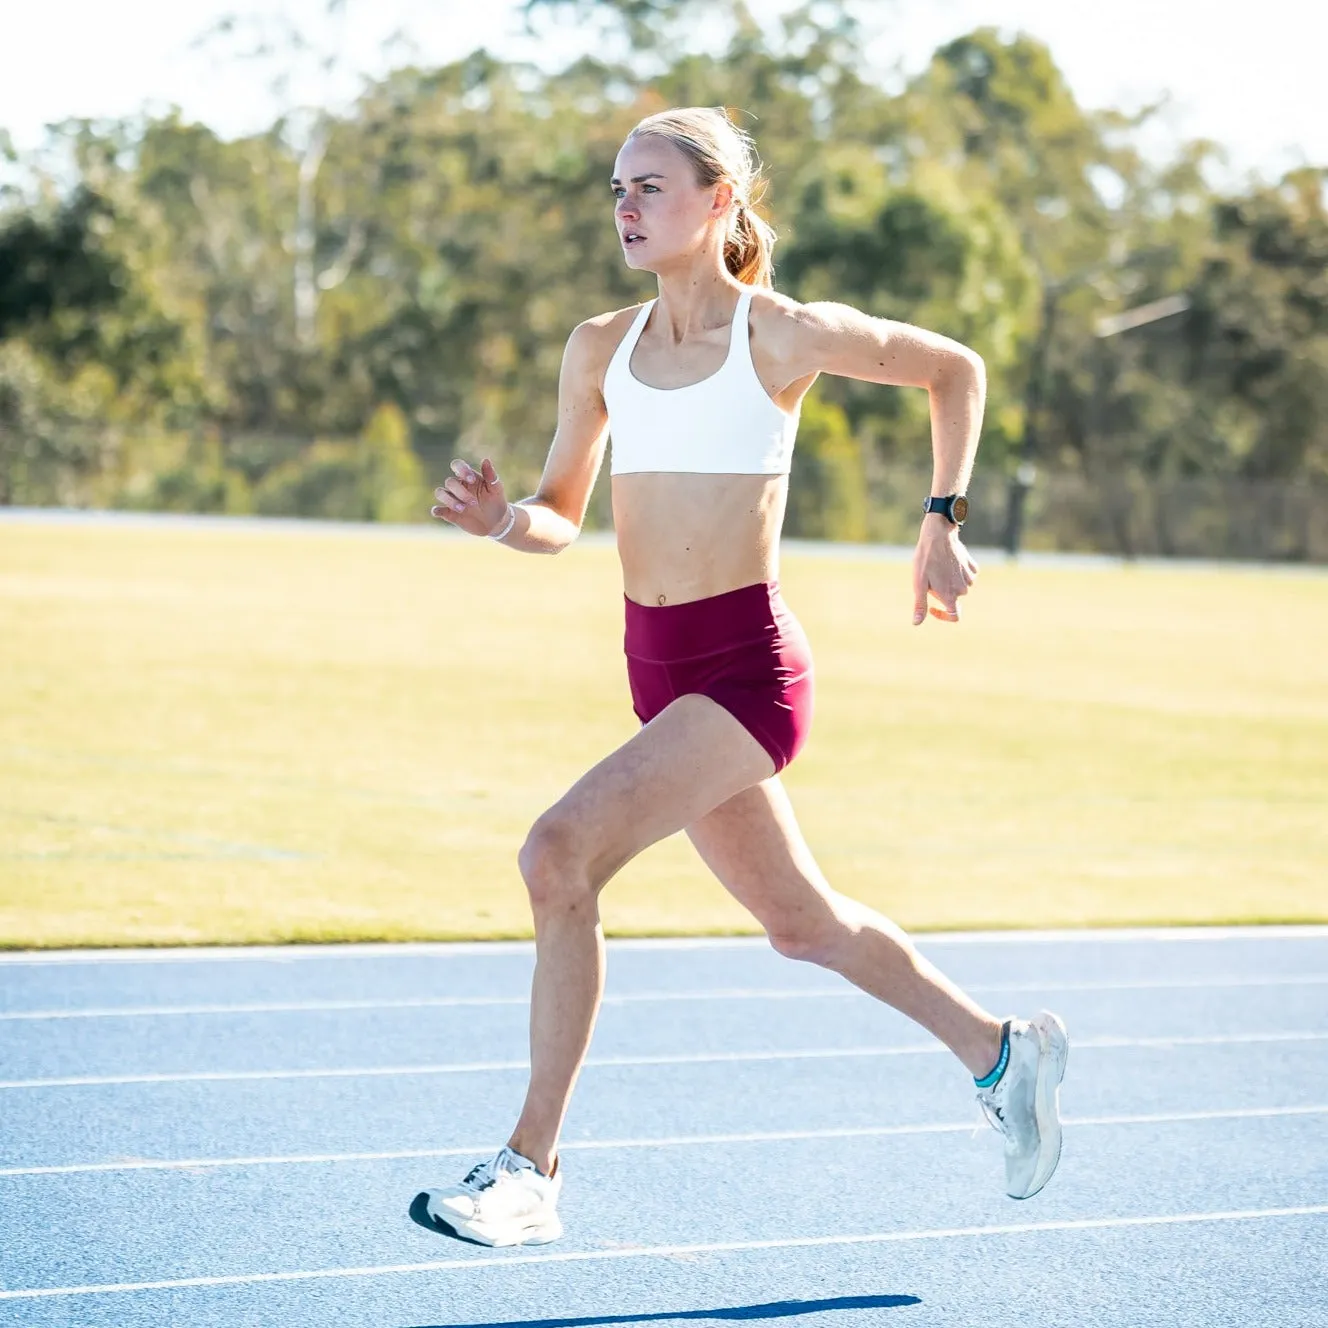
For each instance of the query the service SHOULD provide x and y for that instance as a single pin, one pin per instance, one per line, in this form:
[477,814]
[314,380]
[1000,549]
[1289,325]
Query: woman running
[701,389]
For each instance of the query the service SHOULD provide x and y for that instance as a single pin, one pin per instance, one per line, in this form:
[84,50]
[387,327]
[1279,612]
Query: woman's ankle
[544,1158]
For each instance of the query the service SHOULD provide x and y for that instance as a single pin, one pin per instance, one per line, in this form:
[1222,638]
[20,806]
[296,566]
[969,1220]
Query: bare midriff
[685,536]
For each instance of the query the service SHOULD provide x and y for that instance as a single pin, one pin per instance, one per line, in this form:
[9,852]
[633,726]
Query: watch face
[960,509]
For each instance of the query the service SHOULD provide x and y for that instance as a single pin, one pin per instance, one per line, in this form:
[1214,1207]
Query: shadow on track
[779,1309]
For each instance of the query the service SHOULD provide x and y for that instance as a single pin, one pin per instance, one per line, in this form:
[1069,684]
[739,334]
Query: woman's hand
[942,568]
[472,500]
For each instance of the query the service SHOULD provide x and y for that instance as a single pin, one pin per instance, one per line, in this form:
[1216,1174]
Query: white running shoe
[1024,1103]
[504,1201]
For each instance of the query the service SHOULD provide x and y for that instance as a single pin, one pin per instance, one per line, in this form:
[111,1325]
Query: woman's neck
[690,305]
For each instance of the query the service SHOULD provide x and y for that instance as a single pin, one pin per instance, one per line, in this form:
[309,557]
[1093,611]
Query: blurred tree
[186,321]
[314,58]
[393,477]
[827,489]
[647,24]
[56,262]
[1258,335]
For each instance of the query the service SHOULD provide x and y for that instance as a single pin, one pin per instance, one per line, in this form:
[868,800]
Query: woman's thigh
[754,845]
[692,757]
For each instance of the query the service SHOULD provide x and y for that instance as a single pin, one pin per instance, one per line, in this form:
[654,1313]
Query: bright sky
[1248,76]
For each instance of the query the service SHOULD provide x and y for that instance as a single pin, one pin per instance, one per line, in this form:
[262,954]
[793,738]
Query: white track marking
[279,954]
[407,949]
[667,1141]
[690,1058]
[649,997]
[674,1251]
[296,1007]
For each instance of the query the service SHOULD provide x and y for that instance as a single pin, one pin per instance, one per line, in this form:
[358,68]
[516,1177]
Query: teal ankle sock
[994,1075]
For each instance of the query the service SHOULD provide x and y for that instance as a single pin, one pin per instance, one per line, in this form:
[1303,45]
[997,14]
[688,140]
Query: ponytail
[747,251]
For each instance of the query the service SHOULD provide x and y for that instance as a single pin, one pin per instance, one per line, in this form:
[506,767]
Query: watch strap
[943,505]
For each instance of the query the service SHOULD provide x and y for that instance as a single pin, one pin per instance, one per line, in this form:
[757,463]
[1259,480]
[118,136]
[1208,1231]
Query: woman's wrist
[505,528]
[938,524]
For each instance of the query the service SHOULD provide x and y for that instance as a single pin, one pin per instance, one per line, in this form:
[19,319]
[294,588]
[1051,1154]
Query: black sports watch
[953,508]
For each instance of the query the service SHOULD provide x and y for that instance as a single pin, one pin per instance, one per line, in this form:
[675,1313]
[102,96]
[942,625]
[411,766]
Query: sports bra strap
[634,332]
[742,337]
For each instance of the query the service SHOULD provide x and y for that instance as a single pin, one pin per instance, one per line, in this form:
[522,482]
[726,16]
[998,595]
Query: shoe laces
[485,1174]
[480,1177]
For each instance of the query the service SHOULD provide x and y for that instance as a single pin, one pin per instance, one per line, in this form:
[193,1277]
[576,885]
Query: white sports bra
[726,424]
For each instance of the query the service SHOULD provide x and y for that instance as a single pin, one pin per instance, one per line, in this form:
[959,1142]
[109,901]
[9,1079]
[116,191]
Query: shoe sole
[539,1233]
[1053,1052]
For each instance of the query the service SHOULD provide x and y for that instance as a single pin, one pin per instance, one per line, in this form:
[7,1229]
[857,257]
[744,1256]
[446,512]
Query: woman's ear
[723,199]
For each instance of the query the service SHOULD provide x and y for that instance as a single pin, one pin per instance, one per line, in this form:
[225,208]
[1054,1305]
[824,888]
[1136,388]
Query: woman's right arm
[549,520]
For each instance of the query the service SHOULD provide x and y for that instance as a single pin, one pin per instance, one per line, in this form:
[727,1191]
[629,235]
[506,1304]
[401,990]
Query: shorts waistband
[667,633]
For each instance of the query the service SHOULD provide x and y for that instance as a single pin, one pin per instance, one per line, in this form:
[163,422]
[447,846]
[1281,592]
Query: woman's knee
[812,935]
[553,864]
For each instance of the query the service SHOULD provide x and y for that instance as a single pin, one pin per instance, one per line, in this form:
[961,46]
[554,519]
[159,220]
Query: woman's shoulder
[592,343]
[776,313]
[778,321]
[614,318]
[597,337]
[806,333]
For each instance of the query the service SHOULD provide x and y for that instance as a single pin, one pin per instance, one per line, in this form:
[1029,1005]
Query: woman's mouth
[631,239]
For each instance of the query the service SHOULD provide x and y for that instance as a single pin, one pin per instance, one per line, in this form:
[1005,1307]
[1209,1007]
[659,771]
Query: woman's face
[657,198]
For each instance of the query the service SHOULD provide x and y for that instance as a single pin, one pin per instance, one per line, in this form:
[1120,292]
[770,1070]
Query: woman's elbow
[566,524]
[961,366]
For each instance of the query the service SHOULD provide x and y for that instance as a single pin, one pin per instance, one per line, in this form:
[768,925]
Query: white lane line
[286,1007]
[666,1141]
[407,949]
[674,1251]
[690,1058]
[650,997]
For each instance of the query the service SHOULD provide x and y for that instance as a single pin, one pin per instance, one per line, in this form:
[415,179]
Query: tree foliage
[155,350]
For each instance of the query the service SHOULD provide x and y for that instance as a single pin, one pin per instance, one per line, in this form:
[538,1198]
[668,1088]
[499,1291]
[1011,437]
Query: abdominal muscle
[684,536]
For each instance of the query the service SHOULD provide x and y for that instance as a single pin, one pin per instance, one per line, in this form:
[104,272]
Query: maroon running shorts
[743,649]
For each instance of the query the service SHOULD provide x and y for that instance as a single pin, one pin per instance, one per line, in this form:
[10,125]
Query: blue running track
[234,1137]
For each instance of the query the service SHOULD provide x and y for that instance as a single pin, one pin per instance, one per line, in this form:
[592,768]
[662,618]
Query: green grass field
[230,735]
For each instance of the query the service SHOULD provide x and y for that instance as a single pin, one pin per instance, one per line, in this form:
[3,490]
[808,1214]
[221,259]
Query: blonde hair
[720,150]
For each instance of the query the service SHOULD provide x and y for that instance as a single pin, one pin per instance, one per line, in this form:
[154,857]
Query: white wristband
[507,525]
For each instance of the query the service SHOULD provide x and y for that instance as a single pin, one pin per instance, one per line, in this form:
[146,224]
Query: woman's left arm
[838,339]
